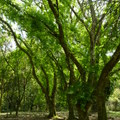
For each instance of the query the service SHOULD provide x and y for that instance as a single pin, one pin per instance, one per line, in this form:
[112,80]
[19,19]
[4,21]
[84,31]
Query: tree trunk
[51,106]
[18,106]
[17,109]
[16,112]
[94,107]
[0,105]
[102,115]
[82,114]
[52,111]
[1,95]
[71,115]
[10,108]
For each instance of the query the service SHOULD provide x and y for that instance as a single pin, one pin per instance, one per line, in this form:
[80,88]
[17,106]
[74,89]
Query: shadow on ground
[43,116]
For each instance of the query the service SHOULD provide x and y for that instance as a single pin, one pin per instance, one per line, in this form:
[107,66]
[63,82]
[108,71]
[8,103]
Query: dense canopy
[68,47]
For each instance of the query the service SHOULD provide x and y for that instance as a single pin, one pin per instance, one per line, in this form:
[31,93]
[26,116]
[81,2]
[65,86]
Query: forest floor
[43,116]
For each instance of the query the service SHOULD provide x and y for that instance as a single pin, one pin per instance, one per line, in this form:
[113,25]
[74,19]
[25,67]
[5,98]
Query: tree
[16,81]
[49,92]
[86,31]
[4,69]
[2,80]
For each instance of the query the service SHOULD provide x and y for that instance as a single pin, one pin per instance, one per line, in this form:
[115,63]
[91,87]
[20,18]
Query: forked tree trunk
[71,115]
[82,114]
[102,115]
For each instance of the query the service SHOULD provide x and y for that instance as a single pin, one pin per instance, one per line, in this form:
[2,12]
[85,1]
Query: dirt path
[33,116]
[43,116]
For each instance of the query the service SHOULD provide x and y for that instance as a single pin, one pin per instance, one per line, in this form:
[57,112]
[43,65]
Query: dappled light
[59,60]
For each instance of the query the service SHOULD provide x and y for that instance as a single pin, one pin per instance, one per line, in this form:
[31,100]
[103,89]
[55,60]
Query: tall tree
[87,32]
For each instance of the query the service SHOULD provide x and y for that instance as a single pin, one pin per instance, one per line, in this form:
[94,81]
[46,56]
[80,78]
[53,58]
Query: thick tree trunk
[82,114]
[101,99]
[51,106]
[52,111]
[71,115]
[102,115]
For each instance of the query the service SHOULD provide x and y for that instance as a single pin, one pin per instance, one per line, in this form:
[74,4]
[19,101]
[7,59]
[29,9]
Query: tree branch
[47,80]
[81,20]
[7,61]
[60,69]
[93,14]
[63,43]
[81,7]
[29,56]
[108,68]
[97,35]
[94,22]
[54,85]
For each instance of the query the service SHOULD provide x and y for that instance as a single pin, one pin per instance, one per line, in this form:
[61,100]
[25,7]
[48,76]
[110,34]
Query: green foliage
[81,92]
[75,44]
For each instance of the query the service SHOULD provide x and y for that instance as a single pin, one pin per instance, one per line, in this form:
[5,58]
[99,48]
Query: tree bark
[82,114]
[51,106]
[71,115]
[101,100]
[0,104]
[17,109]
[1,96]
[102,115]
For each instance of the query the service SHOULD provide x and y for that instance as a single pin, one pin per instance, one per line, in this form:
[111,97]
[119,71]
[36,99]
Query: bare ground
[43,116]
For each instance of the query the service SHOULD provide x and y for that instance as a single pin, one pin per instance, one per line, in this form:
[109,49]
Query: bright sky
[12,45]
